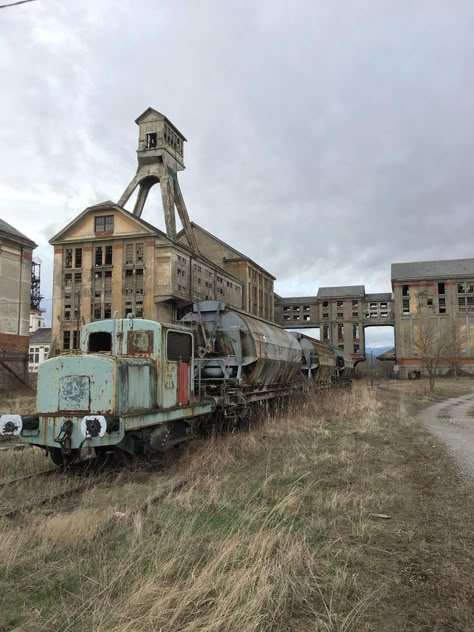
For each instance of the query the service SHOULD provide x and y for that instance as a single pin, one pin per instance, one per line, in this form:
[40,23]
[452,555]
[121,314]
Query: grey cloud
[326,140]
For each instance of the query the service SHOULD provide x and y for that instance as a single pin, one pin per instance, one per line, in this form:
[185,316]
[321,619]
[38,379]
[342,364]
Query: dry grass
[274,531]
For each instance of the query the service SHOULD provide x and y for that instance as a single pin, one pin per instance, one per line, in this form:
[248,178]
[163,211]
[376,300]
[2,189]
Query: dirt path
[452,421]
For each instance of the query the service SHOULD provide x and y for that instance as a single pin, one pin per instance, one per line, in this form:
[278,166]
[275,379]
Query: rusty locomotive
[137,386]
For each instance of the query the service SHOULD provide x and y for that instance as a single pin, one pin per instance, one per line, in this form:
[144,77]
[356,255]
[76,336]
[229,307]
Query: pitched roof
[104,206]
[441,269]
[239,256]
[296,299]
[341,291]
[379,296]
[41,335]
[15,235]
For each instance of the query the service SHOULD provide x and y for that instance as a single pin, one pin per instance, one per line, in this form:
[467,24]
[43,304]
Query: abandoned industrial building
[16,302]
[109,261]
[434,298]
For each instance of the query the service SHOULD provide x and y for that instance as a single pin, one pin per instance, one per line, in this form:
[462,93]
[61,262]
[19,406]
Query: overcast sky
[326,139]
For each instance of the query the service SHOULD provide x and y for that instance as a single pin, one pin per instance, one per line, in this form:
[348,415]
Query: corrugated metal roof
[379,296]
[41,336]
[341,291]
[7,229]
[447,269]
[307,300]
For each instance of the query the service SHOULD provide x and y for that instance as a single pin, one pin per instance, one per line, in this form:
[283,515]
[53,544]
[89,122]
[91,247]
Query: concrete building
[435,296]
[257,283]
[342,313]
[40,345]
[108,261]
[15,301]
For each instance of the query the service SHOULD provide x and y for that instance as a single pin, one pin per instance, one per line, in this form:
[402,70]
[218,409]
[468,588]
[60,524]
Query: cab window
[179,347]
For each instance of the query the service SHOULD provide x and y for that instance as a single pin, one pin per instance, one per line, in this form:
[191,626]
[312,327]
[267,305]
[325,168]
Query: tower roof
[160,117]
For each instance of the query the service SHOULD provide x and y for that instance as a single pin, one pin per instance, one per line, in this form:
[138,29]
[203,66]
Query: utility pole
[371,369]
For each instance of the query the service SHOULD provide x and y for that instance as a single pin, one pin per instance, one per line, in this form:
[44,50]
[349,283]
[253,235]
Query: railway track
[93,472]
[26,477]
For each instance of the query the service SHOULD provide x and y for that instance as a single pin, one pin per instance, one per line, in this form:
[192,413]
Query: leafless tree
[432,342]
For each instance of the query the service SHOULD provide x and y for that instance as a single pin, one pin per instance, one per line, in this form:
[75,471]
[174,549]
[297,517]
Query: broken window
[325,315]
[355,303]
[75,339]
[355,314]
[325,303]
[296,317]
[150,140]
[356,348]
[406,306]
[107,310]
[442,305]
[286,309]
[405,290]
[77,277]
[306,308]
[470,303]
[340,315]
[139,253]
[340,303]
[100,341]
[98,256]
[373,314]
[440,288]
[355,331]
[296,308]
[68,258]
[78,258]
[429,302]
[461,289]
[68,279]
[326,332]
[462,303]
[66,339]
[383,305]
[383,314]
[97,311]
[128,254]
[373,305]
[108,255]
[306,317]
[469,287]
[340,330]
[104,224]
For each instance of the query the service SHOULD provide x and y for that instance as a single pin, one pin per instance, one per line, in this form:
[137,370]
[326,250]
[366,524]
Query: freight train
[137,387]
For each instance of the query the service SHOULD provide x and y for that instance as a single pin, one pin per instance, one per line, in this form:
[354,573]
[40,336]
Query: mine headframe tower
[160,156]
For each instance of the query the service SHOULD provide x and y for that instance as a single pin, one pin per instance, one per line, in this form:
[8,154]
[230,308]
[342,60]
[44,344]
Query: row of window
[103,255]
[463,287]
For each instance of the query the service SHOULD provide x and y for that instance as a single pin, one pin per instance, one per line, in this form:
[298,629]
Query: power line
[13,4]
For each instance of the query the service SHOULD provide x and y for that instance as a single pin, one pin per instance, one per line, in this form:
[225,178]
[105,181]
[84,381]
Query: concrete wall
[420,304]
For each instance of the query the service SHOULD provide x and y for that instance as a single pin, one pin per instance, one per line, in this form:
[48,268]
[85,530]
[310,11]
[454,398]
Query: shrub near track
[278,528]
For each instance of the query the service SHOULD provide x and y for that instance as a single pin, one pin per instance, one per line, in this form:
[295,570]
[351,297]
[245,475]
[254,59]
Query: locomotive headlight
[10,424]
[93,426]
